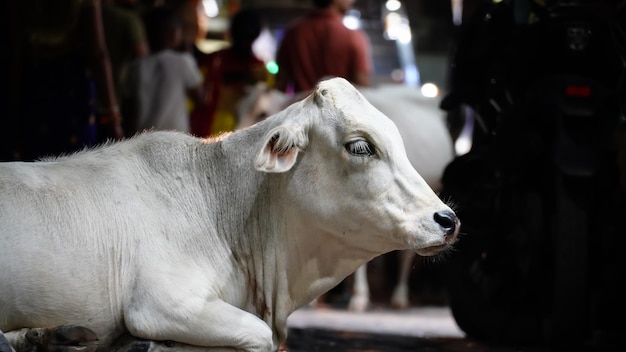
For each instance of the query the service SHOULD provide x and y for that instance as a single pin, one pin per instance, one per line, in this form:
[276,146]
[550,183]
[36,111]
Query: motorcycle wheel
[491,299]
[568,327]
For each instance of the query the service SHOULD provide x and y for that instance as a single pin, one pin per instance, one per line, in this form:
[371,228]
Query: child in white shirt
[159,84]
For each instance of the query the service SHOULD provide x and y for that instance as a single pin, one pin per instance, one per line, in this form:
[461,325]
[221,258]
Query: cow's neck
[318,261]
[302,260]
[297,264]
[288,262]
[250,218]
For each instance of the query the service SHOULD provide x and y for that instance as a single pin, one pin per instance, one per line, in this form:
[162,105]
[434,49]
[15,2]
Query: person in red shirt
[319,45]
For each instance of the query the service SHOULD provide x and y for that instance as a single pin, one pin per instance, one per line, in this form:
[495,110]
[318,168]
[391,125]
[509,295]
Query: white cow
[428,144]
[192,244]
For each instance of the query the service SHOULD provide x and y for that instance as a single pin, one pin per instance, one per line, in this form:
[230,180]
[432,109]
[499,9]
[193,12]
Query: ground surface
[425,329]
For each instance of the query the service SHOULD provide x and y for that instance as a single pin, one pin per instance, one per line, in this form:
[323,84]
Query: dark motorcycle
[539,193]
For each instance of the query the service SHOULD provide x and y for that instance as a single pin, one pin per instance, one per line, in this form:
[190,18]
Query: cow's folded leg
[218,325]
[64,338]
[133,344]
[72,335]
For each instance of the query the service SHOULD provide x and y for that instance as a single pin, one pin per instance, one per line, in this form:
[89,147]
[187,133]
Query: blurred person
[320,45]
[59,65]
[228,74]
[187,13]
[159,84]
[125,38]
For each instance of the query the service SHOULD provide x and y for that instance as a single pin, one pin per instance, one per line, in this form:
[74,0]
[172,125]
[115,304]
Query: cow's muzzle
[450,224]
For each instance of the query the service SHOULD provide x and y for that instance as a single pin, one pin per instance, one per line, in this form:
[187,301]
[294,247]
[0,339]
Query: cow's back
[69,229]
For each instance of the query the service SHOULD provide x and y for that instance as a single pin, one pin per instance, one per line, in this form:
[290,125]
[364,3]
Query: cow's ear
[280,149]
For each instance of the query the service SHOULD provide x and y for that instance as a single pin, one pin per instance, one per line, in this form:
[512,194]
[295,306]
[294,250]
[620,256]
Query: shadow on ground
[314,340]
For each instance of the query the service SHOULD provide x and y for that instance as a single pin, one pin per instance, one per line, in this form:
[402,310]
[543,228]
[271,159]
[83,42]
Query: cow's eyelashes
[360,147]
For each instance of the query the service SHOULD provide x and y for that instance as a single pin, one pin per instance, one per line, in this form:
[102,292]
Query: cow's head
[350,173]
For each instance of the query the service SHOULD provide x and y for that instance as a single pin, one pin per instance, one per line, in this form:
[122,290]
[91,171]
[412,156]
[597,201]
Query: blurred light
[208,46]
[264,47]
[430,90]
[393,5]
[352,19]
[578,91]
[210,8]
[397,28]
[218,24]
[397,75]
[392,19]
[392,23]
[464,141]
[272,67]
[404,36]
[457,12]
[411,75]
[462,145]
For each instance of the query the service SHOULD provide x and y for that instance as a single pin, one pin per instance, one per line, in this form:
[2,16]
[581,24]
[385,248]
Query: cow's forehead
[356,110]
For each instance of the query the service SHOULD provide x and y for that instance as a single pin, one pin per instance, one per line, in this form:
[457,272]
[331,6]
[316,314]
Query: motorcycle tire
[568,325]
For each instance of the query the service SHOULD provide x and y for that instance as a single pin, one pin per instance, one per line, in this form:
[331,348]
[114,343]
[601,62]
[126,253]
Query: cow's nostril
[447,220]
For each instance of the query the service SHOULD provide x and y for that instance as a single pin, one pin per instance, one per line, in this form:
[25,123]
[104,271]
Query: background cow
[191,244]
[428,144]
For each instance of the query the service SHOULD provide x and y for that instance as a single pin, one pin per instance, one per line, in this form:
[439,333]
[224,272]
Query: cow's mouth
[432,250]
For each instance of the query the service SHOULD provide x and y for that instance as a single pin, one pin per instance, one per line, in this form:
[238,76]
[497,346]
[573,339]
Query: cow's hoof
[358,304]
[73,335]
[400,299]
[64,338]
[399,304]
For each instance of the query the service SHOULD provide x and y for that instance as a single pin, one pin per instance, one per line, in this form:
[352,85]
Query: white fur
[169,237]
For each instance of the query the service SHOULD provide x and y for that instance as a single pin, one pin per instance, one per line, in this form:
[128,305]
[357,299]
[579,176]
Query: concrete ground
[424,329]
[417,322]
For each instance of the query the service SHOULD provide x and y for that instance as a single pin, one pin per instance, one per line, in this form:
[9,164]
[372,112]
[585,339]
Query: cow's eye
[360,147]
